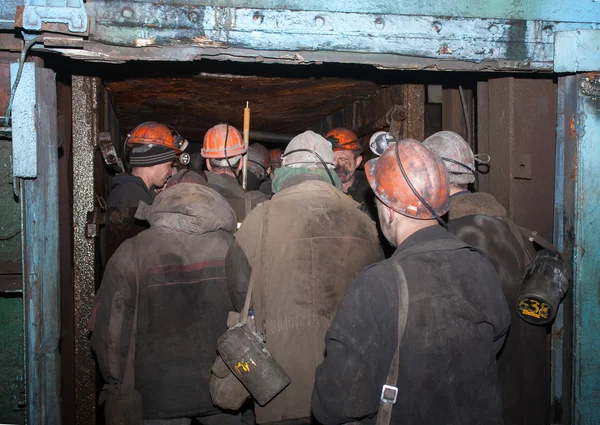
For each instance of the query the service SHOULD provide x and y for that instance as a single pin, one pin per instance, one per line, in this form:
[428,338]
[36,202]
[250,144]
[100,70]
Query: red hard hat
[216,146]
[154,133]
[342,139]
[426,173]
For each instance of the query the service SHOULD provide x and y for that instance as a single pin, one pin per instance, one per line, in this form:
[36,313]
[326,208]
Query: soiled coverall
[183,305]
[317,241]
[229,188]
[478,219]
[457,321]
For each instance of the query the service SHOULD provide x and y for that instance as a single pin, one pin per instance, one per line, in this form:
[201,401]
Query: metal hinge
[17,394]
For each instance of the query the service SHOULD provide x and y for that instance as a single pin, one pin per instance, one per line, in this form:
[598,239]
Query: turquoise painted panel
[577,51]
[520,44]
[545,10]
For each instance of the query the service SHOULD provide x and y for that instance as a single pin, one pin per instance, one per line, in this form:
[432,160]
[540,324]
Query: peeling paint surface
[550,10]
[526,44]
[39,209]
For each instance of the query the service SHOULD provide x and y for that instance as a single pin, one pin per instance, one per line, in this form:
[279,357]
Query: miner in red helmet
[415,339]
[223,149]
[347,151]
[151,150]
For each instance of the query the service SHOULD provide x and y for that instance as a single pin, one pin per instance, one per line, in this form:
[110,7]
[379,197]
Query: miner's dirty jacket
[183,302]
[229,188]
[457,321]
[125,193]
[478,219]
[317,240]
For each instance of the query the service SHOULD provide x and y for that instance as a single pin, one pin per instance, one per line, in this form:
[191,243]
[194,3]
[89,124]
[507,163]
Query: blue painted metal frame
[515,44]
[577,231]
[40,246]
[544,10]
[586,254]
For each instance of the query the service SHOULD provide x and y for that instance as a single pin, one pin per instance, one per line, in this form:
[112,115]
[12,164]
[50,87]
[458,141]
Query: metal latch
[69,12]
[389,394]
[95,219]
[109,153]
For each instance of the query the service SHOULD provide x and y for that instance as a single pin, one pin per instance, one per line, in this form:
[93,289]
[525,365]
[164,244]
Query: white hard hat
[449,145]
[305,149]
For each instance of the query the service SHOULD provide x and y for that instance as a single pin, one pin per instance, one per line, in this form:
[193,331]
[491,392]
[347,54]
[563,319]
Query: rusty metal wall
[519,133]
[85,123]
[371,108]
[482,139]
[453,116]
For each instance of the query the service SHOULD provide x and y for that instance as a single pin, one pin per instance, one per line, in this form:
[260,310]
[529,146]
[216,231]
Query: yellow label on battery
[534,308]
[241,367]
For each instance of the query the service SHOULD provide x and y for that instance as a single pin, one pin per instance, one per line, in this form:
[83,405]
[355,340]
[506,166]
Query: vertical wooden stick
[247,143]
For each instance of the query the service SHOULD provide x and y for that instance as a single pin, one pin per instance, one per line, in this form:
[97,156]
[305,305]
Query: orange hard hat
[154,133]
[342,139]
[424,170]
[223,141]
[275,155]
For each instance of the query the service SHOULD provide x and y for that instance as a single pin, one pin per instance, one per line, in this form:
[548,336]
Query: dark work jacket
[479,220]
[183,301]
[362,193]
[125,193]
[457,320]
[229,188]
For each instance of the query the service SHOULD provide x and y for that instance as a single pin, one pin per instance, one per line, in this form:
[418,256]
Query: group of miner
[294,263]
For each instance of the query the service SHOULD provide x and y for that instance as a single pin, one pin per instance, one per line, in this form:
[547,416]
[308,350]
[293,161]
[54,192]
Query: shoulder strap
[389,392]
[519,237]
[534,236]
[257,261]
[247,202]
[129,372]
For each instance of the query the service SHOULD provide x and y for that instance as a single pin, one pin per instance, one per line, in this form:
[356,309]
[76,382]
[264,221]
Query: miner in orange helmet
[347,151]
[223,149]
[415,338]
[150,150]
